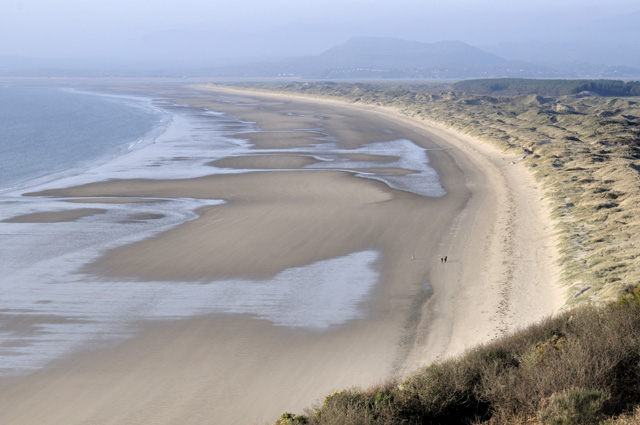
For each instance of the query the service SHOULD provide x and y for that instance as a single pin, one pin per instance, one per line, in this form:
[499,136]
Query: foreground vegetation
[581,367]
[585,150]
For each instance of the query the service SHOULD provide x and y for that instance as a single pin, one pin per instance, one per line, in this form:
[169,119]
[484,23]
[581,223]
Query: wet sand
[237,369]
[276,162]
[55,217]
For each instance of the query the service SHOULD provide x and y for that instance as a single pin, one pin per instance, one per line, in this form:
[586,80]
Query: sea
[47,132]
[52,137]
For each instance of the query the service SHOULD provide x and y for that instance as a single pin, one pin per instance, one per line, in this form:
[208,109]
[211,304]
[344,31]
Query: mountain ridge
[387,57]
[357,58]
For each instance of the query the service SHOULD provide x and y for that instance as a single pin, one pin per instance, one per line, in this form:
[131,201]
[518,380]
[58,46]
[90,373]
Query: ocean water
[46,131]
[52,138]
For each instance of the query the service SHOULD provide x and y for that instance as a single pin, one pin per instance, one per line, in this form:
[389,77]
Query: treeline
[515,86]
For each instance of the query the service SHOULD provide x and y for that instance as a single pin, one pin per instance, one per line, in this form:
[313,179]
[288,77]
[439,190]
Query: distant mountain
[358,58]
[387,53]
[379,57]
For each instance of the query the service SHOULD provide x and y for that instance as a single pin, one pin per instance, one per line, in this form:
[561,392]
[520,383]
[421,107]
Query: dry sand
[216,369]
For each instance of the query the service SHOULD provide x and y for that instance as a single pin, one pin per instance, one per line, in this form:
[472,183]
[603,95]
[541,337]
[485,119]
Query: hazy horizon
[192,29]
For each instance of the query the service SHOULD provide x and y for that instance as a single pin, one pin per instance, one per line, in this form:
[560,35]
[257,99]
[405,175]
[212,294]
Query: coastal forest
[519,86]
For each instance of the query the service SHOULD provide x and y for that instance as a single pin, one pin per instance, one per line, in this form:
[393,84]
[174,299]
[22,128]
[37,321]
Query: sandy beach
[290,209]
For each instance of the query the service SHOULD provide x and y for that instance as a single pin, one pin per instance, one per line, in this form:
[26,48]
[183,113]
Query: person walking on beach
[445,258]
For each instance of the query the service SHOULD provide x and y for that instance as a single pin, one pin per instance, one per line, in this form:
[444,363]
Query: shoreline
[115,151]
[507,172]
[449,321]
[519,192]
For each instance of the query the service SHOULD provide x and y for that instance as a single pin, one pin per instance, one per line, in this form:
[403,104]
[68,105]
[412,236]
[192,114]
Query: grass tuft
[575,407]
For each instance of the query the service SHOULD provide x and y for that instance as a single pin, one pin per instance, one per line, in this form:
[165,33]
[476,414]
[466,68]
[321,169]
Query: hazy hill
[381,57]
[358,58]
[387,53]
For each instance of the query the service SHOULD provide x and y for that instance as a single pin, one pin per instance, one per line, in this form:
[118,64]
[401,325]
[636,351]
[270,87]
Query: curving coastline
[504,239]
[500,276]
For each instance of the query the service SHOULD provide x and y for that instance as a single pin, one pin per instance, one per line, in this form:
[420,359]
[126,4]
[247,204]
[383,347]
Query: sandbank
[55,217]
[265,162]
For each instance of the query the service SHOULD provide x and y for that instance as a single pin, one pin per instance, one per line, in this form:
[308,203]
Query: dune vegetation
[582,366]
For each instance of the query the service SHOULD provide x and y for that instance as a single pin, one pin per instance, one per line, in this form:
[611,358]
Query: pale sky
[84,27]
